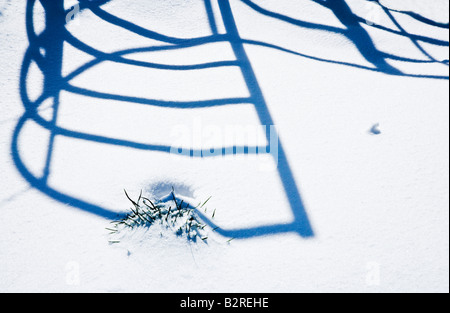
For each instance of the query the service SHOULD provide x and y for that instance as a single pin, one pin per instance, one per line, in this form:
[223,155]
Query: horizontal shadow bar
[176,151]
[158,103]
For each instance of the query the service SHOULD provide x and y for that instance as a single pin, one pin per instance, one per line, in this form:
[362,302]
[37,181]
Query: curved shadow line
[193,153]
[293,21]
[43,187]
[52,88]
[137,29]
[285,173]
[31,112]
[157,103]
[433,41]
[413,40]
[70,201]
[186,44]
[199,41]
[416,16]
[358,35]
[116,57]
[169,67]
[267,45]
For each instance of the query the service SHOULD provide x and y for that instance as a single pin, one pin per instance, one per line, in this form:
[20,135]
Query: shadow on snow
[51,41]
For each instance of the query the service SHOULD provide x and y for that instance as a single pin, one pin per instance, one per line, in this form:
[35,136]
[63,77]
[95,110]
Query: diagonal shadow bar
[304,227]
[415,16]
[56,34]
[358,35]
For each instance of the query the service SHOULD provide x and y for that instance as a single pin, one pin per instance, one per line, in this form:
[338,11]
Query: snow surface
[361,205]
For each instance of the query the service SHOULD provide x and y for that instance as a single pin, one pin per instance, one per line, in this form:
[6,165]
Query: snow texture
[319,128]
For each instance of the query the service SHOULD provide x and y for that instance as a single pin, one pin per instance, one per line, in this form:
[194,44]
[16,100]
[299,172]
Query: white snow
[377,202]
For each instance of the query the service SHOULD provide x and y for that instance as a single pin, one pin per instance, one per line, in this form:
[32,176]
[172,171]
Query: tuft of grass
[176,215]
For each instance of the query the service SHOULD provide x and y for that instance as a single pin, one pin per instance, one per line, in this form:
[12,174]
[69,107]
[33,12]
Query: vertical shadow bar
[52,43]
[211,19]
